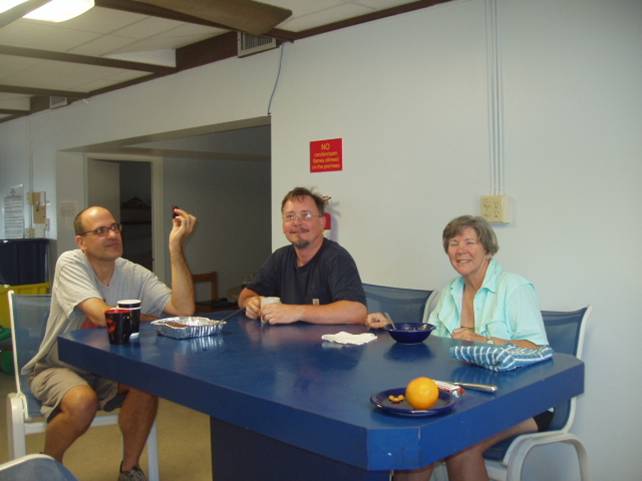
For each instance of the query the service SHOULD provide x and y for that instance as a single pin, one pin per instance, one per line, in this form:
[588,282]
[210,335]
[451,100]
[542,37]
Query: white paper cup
[268,300]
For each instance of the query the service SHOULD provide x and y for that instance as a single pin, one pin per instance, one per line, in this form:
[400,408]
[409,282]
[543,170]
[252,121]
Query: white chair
[505,460]
[35,467]
[28,315]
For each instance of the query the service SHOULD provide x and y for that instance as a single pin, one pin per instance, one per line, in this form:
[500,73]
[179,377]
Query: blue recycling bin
[24,261]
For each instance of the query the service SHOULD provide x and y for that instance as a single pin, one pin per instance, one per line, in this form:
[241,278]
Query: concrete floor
[184,445]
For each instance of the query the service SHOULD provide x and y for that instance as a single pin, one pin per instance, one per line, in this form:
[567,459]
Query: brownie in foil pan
[187,327]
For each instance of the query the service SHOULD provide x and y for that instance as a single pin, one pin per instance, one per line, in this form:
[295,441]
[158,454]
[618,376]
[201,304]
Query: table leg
[241,454]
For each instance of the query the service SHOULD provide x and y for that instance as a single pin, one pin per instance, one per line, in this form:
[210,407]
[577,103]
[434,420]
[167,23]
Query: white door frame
[159,244]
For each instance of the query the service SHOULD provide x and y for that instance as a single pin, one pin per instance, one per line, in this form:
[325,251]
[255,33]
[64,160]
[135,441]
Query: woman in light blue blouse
[484,304]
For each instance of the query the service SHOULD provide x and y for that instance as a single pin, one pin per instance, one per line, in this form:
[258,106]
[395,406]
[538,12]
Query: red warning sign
[326,155]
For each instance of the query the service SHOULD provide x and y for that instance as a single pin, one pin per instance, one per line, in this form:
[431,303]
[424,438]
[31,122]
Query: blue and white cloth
[500,358]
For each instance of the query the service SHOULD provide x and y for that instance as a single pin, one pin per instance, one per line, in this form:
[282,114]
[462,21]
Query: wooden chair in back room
[213,302]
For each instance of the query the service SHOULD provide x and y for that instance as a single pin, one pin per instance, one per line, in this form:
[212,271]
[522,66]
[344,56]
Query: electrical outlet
[494,208]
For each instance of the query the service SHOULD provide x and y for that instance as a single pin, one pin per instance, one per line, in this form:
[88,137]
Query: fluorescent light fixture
[60,10]
[9,4]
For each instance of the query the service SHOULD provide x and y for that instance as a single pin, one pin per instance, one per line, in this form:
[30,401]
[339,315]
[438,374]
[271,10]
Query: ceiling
[120,42]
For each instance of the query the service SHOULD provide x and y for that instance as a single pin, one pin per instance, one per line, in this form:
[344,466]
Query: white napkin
[344,337]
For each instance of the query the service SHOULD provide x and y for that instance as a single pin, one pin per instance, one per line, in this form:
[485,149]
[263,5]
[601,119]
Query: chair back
[35,467]
[403,305]
[28,314]
[565,331]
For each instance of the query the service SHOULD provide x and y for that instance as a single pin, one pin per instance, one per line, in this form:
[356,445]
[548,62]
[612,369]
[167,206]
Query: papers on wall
[40,225]
[39,207]
[14,213]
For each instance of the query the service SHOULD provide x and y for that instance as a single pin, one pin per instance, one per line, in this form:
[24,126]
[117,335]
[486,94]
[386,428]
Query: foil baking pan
[187,327]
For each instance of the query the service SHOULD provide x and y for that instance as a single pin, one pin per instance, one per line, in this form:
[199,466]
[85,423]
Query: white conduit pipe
[495,100]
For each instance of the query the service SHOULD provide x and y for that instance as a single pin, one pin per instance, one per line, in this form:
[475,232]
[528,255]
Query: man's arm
[94,310]
[75,287]
[264,281]
[182,301]
[338,312]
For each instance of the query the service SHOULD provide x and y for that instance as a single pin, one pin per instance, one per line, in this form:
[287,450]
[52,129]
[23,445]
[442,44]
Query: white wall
[408,96]
[411,108]
[16,165]
[236,89]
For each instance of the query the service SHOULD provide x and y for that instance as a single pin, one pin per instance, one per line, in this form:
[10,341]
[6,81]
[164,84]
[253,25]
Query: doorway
[220,174]
[136,212]
[125,188]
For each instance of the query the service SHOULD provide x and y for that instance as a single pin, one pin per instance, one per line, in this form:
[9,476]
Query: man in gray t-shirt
[87,281]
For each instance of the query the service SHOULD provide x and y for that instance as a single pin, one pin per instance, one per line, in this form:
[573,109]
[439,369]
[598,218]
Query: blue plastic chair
[28,315]
[403,305]
[35,467]
[505,460]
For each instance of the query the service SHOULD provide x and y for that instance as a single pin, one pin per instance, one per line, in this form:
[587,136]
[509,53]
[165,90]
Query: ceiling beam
[369,17]
[152,11]
[19,11]
[242,15]
[207,51]
[180,153]
[280,34]
[84,59]
[13,111]
[16,89]
[127,83]
[7,119]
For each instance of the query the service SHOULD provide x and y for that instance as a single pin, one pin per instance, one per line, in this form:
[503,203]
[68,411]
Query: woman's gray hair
[484,231]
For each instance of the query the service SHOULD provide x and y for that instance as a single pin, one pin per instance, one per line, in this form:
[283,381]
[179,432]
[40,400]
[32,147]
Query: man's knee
[81,404]
[80,401]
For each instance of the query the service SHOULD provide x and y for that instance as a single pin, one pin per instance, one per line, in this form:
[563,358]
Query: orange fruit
[422,393]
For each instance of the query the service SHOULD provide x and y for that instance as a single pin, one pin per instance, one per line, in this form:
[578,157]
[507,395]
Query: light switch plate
[495,209]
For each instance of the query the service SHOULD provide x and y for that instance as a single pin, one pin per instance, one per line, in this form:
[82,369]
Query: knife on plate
[476,386]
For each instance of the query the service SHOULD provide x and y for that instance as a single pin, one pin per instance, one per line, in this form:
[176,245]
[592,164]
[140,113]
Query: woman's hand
[467,334]
[377,320]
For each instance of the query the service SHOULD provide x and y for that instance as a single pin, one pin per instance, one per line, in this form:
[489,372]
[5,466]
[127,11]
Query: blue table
[285,406]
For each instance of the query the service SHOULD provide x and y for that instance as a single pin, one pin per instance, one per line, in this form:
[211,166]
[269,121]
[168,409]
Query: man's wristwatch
[490,340]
